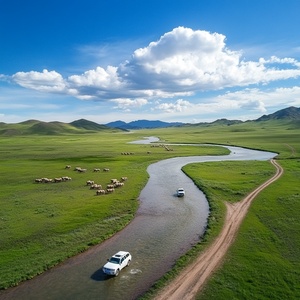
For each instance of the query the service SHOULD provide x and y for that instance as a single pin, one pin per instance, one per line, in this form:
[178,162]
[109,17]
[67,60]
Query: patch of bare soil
[192,279]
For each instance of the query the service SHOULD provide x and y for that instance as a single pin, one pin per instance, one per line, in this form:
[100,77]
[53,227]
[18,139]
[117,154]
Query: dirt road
[192,279]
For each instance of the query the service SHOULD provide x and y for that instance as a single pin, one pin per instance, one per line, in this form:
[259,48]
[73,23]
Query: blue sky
[185,61]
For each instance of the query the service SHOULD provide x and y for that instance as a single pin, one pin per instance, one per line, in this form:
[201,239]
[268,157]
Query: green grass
[264,262]
[43,224]
[278,136]
[220,181]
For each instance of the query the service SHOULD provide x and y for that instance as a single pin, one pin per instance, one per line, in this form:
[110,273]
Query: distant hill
[51,128]
[30,122]
[140,124]
[37,127]
[87,125]
[226,122]
[290,113]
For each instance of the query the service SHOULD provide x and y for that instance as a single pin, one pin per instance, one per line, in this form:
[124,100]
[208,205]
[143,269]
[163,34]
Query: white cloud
[180,63]
[99,79]
[178,106]
[189,60]
[261,99]
[46,81]
[127,104]
[286,60]
[243,105]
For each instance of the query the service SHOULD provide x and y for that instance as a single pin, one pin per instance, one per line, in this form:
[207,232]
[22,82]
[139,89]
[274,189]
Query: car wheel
[117,272]
[128,262]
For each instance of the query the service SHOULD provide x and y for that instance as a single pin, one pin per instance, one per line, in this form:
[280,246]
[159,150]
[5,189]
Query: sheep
[95,186]
[123,178]
[38,180]
[118,184]
[100,192]
[68,167]
[110,186]
[96,170]
[105,170]
[109,190]
[58,179]
[90,182]
[66,178]
[114,180]
[46,180]
[82,170]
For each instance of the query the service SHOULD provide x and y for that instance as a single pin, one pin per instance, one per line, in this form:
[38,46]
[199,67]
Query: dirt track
[192,279]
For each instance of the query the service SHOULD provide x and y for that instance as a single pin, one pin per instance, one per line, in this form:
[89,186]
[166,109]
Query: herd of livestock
[114,183]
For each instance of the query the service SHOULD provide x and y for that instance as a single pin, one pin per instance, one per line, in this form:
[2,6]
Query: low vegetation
[264,262]
[265,259]
[43,224]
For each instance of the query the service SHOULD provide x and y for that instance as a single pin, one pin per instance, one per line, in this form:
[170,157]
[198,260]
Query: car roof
[120,253]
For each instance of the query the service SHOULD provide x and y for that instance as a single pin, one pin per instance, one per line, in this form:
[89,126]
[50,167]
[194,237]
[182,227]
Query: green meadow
[264,262]
[43,224]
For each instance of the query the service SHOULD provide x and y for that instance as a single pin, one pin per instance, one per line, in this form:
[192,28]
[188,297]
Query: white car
[180,192]
[116,263]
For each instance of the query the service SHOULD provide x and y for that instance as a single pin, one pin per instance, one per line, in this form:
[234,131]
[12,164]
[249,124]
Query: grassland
[43,224]
[264,262]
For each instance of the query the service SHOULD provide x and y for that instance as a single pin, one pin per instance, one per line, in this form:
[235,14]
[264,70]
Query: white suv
[180,192]
[116,263]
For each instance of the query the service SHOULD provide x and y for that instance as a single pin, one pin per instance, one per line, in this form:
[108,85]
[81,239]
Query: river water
[164,228]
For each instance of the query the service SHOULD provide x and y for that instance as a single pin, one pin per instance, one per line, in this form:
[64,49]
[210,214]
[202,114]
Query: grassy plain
[43,224]
[264,262]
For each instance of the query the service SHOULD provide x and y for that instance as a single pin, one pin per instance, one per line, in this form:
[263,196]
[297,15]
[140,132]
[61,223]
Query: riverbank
[192,279]
[73,287]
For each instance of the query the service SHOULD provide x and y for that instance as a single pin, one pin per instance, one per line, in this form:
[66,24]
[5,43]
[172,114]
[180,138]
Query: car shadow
[99,275]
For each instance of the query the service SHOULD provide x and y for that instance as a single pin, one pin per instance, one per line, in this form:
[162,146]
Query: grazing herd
[127,153]
[50,180]
[110,187]
[114,183]
[163,146]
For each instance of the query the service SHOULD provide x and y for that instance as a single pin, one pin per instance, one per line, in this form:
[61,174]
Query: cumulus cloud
[260,100]
[127,104]
[180,63]
[254,101]
[178,106]
[46,81]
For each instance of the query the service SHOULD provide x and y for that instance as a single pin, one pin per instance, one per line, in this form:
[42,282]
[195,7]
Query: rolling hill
[143,124]
[81,126]
[35,127]
[290,113]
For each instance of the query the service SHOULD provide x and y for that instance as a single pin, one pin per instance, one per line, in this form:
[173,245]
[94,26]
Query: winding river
[164,228]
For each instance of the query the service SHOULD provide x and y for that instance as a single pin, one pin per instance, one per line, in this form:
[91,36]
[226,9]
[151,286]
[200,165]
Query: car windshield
[114,260]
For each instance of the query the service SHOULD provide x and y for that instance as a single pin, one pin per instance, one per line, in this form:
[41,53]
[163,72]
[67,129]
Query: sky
[184,61]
